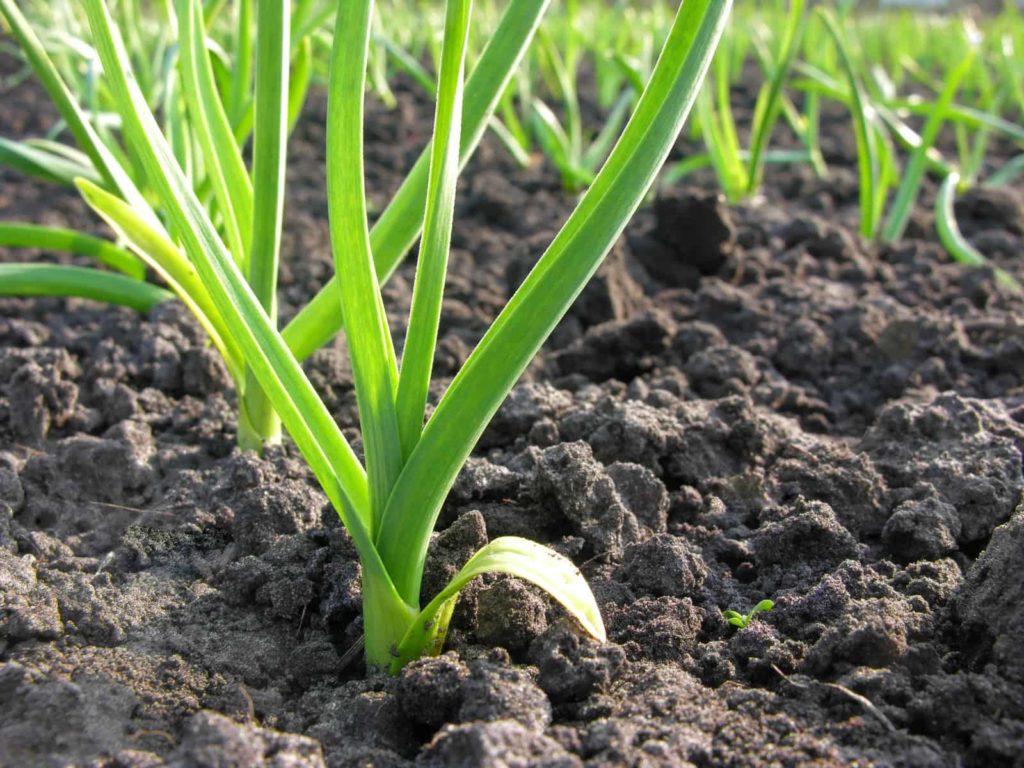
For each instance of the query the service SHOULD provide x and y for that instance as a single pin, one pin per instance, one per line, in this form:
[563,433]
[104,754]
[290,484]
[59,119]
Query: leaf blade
[906,194]
[952,239]
[81,282]
[16,235]
[519,557]
[361,307]
[36,162]
[221,156]
[157,250]
[428,289]
[258,424]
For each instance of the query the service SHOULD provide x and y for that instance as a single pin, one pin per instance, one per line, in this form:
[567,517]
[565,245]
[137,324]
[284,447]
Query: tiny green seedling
[741,621]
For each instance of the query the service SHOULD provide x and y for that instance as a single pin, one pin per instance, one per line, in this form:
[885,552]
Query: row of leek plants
[906,80]
[894,156]
[803,59]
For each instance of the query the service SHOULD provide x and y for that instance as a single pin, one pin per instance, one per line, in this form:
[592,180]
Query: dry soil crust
[746,403]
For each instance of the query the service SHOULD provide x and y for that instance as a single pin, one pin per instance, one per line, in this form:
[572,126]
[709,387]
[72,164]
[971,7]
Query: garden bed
[746,403]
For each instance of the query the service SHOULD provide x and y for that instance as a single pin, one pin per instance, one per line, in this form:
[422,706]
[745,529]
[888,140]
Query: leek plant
[526,121]
[880,121]
[563,141]
[740,172]
[389,506]
[875,154]
[576,158]
[208,113]
[63,34]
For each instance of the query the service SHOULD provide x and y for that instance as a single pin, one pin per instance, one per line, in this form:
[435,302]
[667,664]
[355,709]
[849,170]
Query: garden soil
[748,402]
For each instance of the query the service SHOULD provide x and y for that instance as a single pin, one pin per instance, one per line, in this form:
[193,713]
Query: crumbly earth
[745,403]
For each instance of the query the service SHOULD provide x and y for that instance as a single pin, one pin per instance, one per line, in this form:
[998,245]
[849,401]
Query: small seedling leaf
[763,607]
[550,571]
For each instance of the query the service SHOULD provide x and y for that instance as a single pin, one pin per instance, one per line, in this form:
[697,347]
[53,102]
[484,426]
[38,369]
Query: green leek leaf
[540,565]
[40,164]
[164,257]
[83,282]
[366,327]
[428,291]
[68,240]
[221,157]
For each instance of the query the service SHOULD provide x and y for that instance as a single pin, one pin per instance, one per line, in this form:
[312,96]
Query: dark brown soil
[746,403]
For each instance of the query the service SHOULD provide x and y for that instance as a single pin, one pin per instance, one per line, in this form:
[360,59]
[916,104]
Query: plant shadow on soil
[745,403]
